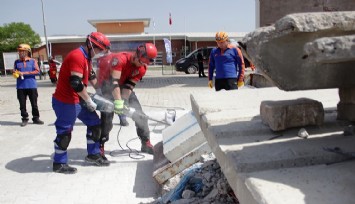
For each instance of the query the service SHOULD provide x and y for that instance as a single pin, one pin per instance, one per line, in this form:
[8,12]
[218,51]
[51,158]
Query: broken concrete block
[278,51]
[182,137]
[331,49]
[280,115]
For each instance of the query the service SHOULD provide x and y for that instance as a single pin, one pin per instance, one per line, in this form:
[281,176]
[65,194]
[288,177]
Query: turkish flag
[170,21]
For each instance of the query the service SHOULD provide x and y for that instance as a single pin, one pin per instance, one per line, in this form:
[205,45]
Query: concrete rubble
[275,146]
[297,47]
[203,182]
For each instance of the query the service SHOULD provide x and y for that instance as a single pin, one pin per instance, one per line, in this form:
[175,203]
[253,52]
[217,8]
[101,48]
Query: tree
[13,34]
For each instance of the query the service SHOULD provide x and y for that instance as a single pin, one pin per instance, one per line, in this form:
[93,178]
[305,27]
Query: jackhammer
[105,105]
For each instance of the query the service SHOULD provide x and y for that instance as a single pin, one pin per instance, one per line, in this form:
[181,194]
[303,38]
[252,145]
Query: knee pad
[104,139]
[63,141]
[95,133]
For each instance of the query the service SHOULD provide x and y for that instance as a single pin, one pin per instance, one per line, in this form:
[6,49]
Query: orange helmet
[221,36]
[147,52]
[24,47]
[100,40]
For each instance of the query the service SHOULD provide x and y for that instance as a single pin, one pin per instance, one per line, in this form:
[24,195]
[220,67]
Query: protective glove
[240,84]
[90,105]
[119,105]
[16,74]
[210,84]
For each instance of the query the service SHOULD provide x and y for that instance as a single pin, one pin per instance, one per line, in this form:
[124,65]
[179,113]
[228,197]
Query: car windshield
[192,53]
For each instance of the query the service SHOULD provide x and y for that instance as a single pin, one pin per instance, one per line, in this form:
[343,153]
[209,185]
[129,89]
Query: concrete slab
[182,137]
[245,148]
[278,51]
[326,184]
[168,171]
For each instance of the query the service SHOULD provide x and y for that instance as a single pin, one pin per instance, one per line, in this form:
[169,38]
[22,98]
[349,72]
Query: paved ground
[25,155]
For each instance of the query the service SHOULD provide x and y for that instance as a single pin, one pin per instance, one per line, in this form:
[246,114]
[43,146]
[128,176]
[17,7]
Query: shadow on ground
[42,163]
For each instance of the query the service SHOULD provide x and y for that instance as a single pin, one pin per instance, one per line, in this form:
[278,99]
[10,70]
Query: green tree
[13,34]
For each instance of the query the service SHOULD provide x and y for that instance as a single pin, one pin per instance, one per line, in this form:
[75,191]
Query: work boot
[63,168]
[147,147]
[102,153]
[24,123]
[97,160]
[38,121]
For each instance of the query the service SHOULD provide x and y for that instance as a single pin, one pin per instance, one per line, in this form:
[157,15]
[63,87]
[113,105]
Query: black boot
[63,168]
[24,122]
[147,147]
[97,160]
[38,121]
[102,152]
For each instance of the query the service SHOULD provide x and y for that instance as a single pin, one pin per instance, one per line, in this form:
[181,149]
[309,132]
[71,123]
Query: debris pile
[204,182]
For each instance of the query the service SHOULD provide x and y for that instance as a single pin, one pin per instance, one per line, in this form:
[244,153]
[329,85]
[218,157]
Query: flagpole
[154,36]
[153,31]
[171,43]
[185,34]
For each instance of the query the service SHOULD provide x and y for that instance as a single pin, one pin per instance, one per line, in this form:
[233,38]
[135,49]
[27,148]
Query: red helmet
[147,52]
[100,40]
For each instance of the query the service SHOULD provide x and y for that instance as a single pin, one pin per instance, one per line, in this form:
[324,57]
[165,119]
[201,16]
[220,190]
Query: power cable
[130,151]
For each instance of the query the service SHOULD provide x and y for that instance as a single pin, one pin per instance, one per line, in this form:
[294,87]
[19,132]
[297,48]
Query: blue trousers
[66,116]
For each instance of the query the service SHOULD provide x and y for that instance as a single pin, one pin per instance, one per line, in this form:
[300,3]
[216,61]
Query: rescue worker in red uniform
[118,74]
[52,70]
[71,101]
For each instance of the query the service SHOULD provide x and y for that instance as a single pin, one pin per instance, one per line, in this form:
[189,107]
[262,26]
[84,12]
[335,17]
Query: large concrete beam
[281,51]
[267,167]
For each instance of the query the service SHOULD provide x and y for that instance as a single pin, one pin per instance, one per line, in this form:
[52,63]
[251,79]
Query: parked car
[189,63]
[45,68]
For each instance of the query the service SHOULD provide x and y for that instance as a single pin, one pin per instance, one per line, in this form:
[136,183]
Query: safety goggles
[145,60]
[220,39]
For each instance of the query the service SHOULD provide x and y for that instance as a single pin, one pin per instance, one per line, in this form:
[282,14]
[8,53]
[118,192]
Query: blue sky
[69,17]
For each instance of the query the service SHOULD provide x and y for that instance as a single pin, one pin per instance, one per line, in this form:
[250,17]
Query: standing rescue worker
[118,74]
[71,101]
[228,63]
[25,71]
[52,70]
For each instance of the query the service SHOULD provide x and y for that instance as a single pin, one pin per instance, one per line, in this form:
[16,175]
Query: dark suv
[189,64]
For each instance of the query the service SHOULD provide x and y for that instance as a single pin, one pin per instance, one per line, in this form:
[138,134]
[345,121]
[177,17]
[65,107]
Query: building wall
[272,10]
[60,50]
[120,28]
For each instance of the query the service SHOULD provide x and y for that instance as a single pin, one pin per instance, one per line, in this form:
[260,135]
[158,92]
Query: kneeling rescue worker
[71,101]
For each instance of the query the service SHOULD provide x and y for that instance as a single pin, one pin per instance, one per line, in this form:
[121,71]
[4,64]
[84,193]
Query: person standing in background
[25,71]
[201,71]
[52,70]
[228,62]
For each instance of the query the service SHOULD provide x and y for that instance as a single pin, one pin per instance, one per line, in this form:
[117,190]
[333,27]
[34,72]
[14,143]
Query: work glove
[119,106]
[16,74]
[210,84]
[90,105]
[240,84]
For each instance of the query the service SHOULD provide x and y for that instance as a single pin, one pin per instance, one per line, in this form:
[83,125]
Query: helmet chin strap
[89,49]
